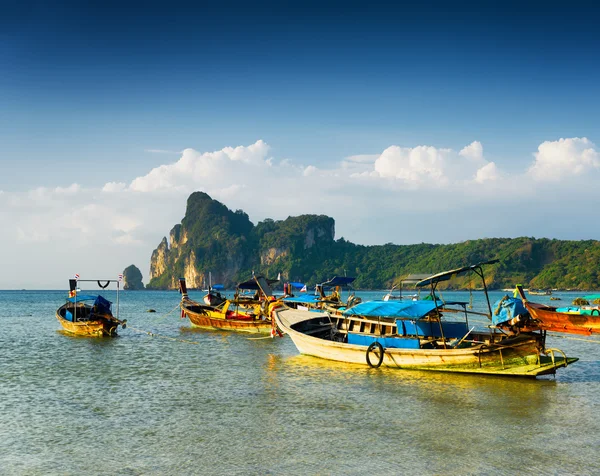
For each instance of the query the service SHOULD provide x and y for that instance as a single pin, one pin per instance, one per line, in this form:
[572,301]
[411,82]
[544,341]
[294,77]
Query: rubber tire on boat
[371,348]
[597,312]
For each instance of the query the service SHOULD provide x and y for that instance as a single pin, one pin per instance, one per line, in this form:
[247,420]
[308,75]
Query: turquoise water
[199,402]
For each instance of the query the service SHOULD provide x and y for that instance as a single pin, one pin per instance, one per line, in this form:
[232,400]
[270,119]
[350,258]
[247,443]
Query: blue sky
[90,92]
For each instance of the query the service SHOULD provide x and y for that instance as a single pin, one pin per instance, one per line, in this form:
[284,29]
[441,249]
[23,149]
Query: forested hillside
[212,238]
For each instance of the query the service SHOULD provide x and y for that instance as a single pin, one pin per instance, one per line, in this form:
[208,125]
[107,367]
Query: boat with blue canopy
[90,314]
[426,334]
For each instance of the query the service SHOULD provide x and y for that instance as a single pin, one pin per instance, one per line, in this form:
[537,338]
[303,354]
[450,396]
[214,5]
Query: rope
[165,315]
[154,334]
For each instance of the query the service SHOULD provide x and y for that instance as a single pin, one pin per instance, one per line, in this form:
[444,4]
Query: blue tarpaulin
[102,305]
[304,298]
[506,309]
[400,309]
[83,297]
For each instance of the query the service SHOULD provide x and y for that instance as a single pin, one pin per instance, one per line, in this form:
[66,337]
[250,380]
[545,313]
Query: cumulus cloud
[196,168]
[487,173]
[414,165]
[111,187]
[473,151]
[557,160]
[431,167]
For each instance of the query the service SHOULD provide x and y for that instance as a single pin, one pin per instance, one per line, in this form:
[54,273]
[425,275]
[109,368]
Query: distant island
[132,278]
[212,238]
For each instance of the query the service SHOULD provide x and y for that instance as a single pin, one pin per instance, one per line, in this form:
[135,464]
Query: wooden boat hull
[518,356]
[212,319]
[547,318]
[92,328]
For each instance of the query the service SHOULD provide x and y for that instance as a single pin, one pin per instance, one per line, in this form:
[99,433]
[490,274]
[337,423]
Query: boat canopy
[447,275]
[337,281]
[298,285]
[395,309]
[101,304]
[303,299]
[252,284]
[218,287]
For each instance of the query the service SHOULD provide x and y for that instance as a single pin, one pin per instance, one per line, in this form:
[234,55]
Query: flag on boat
[303,290]
[120,277]
[76,276]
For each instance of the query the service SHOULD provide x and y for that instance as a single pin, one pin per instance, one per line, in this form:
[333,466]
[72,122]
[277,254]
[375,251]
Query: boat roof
[398,309]
[252,284]
[447,275]
[298,285]
[338,281]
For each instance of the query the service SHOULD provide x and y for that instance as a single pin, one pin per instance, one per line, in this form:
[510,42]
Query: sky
[433,122]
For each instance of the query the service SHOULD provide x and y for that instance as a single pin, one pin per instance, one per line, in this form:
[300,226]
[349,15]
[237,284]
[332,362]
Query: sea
[163,398]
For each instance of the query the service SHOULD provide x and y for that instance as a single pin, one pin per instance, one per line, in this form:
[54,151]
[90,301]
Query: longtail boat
[584,320]
[332,302]
[87,314]
[417,335]
[242,314]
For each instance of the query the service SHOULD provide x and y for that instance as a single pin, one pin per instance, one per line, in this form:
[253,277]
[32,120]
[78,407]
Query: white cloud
[310,170]
[196,169]
[487,173]
[111,187]
[473,151]
[70,190]
[431,167]
[413,165]
[557,160]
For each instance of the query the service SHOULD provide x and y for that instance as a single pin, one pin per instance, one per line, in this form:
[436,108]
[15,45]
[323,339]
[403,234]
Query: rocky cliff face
[159,259]
[132,278]
[212,238]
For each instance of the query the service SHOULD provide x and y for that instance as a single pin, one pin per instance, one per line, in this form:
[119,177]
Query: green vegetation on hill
[303,249]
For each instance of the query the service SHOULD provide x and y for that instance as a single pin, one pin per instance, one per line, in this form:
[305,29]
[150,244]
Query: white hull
[521,358]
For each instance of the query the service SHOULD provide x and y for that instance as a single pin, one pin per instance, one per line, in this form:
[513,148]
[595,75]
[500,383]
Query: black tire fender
[371,348]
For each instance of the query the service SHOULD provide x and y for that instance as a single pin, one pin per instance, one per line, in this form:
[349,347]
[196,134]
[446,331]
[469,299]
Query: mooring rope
[165,315]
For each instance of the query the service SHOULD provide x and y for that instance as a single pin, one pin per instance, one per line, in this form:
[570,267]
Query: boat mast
[117,299]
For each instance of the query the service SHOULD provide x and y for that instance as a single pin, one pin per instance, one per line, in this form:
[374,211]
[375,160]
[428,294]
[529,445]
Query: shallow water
[186,401]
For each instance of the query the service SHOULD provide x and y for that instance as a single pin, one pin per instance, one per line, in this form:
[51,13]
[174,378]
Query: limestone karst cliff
[212,238]
[132,278]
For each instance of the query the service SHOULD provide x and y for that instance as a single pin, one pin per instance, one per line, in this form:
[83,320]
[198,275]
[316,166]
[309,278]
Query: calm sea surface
[186,401]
